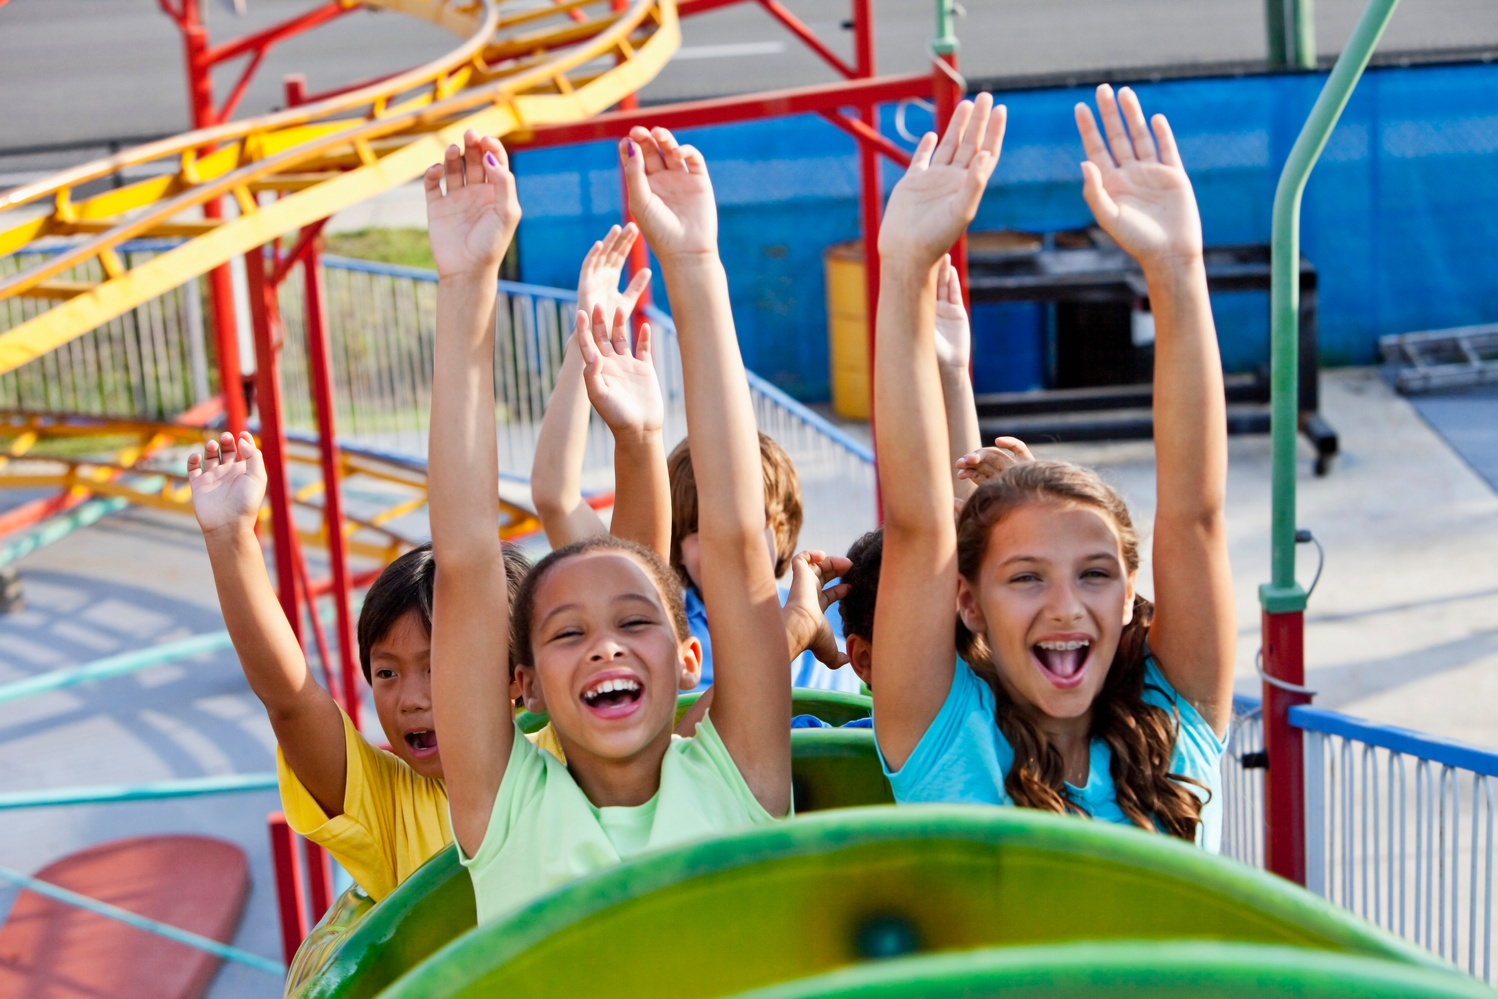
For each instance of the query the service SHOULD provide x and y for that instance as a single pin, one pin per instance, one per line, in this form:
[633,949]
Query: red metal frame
[289,895]
[860,90]
[1284,790]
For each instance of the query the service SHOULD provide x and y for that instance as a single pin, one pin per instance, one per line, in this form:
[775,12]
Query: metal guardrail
[1399,829]
[1243,773]
[151,362]
[1399,825]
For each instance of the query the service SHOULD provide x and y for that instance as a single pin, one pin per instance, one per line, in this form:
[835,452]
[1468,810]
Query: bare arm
[954,344]
[470,227]
[671,196]
[556,474]
[1136,186]
[228,485]
[914,647]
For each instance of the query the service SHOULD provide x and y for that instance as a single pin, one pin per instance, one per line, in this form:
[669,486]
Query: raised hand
[670,194]
[1134,182]
[935,201]
[598,281]
[987,462]
[805,610]
[471,224]
[621,384]
[954,337]
[228,483]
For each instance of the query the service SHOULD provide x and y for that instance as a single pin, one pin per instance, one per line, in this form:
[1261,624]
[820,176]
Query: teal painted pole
[945,42]
[1303,25]
[144,923]
[151,791]
[1282,593]
[113,666]
[58,527]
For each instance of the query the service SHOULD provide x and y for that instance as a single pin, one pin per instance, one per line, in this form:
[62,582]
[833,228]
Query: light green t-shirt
[544,832]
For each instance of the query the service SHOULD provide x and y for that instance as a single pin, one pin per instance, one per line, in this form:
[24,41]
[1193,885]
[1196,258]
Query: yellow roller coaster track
[523,65]
[143,462]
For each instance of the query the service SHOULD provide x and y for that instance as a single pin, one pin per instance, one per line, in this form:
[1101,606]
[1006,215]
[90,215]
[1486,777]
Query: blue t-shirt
[806,671]
[963,758]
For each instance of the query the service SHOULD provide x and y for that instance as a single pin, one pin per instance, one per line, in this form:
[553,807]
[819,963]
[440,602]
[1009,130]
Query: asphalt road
[82,70]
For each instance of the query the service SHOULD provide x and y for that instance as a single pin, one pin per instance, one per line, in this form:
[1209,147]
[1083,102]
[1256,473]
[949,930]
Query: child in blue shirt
[1074,695]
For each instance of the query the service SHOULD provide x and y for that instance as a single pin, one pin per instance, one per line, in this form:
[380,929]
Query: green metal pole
[1282,594]
[1274,32]
[1303,24]
[945,42]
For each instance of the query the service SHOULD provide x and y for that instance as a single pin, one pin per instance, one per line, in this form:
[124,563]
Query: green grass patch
[407,247]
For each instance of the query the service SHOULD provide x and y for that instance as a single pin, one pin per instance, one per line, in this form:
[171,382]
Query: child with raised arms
[1076,695]
[380,813]
[598,632]
[630,405]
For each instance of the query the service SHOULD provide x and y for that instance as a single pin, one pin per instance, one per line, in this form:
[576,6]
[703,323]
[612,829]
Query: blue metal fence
[1399,825]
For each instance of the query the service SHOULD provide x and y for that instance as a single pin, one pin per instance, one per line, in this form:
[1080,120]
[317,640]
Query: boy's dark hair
[857,607]
[522,604]
[406,585]
[782,502]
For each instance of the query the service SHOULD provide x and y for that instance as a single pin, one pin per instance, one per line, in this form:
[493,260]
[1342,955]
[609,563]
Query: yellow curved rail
[519,68]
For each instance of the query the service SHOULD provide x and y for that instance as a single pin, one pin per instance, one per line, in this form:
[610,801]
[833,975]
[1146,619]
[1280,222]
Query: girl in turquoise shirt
[1074,694]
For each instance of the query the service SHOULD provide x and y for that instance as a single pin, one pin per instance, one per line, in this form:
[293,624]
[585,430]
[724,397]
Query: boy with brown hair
[783,518]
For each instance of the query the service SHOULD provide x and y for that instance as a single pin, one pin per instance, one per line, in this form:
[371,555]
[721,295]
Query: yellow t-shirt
[394,820]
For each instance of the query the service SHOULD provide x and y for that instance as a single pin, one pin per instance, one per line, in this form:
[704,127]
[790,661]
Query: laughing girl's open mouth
[613,697]
[1063,661]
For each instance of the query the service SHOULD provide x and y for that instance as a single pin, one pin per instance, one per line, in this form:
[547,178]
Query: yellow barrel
[847,329]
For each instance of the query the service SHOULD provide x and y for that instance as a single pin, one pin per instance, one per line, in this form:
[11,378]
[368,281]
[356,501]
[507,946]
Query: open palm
[954,337]
[937,198]
[621,384]
[227,482]
[670,194]
[471,224]
[598,279]
[1134,181]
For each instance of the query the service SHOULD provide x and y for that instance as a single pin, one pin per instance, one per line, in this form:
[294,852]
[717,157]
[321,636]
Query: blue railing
[1399,825]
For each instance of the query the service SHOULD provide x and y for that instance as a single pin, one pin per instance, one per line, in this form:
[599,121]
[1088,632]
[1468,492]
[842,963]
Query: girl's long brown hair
[1140,735]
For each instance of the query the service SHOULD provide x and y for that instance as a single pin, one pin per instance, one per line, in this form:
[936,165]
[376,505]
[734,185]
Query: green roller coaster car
[911,900]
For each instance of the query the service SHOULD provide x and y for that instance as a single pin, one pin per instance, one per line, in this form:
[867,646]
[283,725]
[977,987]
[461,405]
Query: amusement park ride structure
[537,75]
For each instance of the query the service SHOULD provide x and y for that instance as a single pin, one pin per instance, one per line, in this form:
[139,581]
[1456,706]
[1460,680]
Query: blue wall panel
[1400,217]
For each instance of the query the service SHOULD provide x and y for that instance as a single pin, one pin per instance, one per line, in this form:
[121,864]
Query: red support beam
[689,7]
[319,879]
[1284,786]
[264,315]
[719,111]
[262,40]
[320,373]
[950,88]
[864,134]
[288,870]
[800,29]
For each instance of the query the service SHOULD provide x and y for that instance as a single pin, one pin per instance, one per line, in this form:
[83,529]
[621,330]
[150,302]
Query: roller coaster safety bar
[1283,599]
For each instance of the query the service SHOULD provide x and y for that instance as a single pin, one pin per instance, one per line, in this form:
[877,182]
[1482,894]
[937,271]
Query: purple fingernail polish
[492,160]
[631,148]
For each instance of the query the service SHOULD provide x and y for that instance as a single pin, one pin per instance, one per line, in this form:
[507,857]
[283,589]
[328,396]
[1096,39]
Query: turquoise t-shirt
[963,758]
[544,832]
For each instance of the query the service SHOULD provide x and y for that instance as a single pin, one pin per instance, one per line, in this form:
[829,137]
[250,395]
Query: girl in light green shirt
[598,634]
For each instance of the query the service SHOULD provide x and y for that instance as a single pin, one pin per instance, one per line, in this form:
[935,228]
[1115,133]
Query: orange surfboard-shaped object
[52,950]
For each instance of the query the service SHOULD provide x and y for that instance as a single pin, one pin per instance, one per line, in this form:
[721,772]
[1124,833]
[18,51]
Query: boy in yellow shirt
[381,814]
